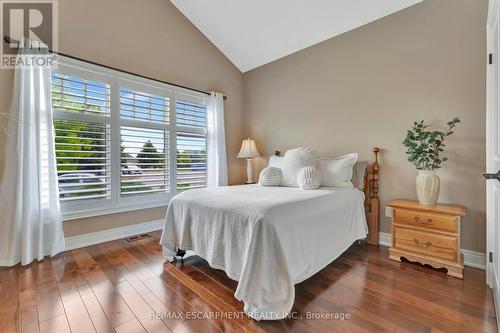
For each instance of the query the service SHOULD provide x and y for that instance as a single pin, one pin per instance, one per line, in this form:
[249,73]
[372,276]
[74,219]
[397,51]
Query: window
[124,142]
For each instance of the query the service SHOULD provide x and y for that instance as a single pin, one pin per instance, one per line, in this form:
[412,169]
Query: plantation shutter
[82,137]
[191,122]
[145,148]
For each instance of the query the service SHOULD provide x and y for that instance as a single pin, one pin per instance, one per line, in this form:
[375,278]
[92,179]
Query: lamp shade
[248,149]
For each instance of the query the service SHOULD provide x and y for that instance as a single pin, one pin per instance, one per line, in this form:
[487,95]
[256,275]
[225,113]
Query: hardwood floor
[128,287]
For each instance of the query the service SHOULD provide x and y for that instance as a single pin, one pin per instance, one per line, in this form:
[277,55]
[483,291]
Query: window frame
[116,79]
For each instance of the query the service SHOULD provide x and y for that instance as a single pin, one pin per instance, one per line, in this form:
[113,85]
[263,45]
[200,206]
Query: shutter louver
[143,106]
[191,114]
[83,151]
[74,94]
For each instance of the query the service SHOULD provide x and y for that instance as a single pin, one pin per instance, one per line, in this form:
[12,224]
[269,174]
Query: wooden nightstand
[427,234]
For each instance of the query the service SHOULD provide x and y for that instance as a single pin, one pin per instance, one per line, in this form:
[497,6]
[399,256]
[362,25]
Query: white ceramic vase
[427,183]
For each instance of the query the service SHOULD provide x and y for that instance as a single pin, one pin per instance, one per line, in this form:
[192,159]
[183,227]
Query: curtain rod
[7,39]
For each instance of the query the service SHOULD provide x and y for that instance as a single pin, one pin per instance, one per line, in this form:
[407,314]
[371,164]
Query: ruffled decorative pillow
[294,161]
[270,176]
[309,178]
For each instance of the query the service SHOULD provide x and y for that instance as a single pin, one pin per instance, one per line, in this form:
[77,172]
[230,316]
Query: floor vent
[137,237]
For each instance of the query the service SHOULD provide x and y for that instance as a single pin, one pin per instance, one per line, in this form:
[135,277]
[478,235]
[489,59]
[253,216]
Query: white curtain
[216,141]
[30,222]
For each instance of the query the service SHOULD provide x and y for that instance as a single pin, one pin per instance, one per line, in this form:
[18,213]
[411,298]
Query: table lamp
[248,150]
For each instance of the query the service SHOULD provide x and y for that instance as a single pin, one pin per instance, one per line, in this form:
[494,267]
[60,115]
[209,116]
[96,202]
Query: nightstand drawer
[425,220]
[438,246]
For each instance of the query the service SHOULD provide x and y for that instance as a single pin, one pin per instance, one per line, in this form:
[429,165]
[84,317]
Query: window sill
[86,214]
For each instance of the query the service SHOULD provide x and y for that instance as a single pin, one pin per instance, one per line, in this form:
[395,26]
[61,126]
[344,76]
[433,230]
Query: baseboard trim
[76,242]
[471,258]
[385,239]
[474,259]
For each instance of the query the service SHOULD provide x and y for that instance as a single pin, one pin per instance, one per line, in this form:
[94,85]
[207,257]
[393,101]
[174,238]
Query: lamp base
[249,172]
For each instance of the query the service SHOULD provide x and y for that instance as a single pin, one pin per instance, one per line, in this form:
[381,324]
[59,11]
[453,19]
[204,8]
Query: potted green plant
[424,148]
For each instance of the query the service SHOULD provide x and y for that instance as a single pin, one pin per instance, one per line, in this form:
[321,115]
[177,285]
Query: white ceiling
[252,33]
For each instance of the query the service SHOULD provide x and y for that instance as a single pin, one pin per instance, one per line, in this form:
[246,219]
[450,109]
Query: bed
[271,238]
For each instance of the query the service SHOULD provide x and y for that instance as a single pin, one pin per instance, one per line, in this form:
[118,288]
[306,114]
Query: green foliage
[148,155]
[424,147]
[76,144]
[183,158]
[183,161]
[135,189]
[99,190]
[123,160]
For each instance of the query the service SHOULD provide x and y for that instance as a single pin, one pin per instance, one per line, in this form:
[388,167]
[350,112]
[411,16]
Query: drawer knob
[420,244]
[421,221]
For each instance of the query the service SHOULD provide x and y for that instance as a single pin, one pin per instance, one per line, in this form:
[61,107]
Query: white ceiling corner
[252,33]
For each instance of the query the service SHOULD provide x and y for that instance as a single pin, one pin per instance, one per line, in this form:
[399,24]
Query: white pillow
[334,171]
[275,161]
[358,176]
[270,176]
[309,178]
[294,161]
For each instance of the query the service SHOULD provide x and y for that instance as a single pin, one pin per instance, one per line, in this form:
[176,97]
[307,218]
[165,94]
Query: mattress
[266,238]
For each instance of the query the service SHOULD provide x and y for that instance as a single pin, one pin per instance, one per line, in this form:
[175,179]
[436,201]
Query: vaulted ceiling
[252,33]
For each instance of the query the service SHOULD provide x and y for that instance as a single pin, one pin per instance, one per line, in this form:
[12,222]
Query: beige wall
[365,87]
[151,38]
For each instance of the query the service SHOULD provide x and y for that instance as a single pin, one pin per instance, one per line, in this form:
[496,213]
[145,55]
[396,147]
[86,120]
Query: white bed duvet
[266,238]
